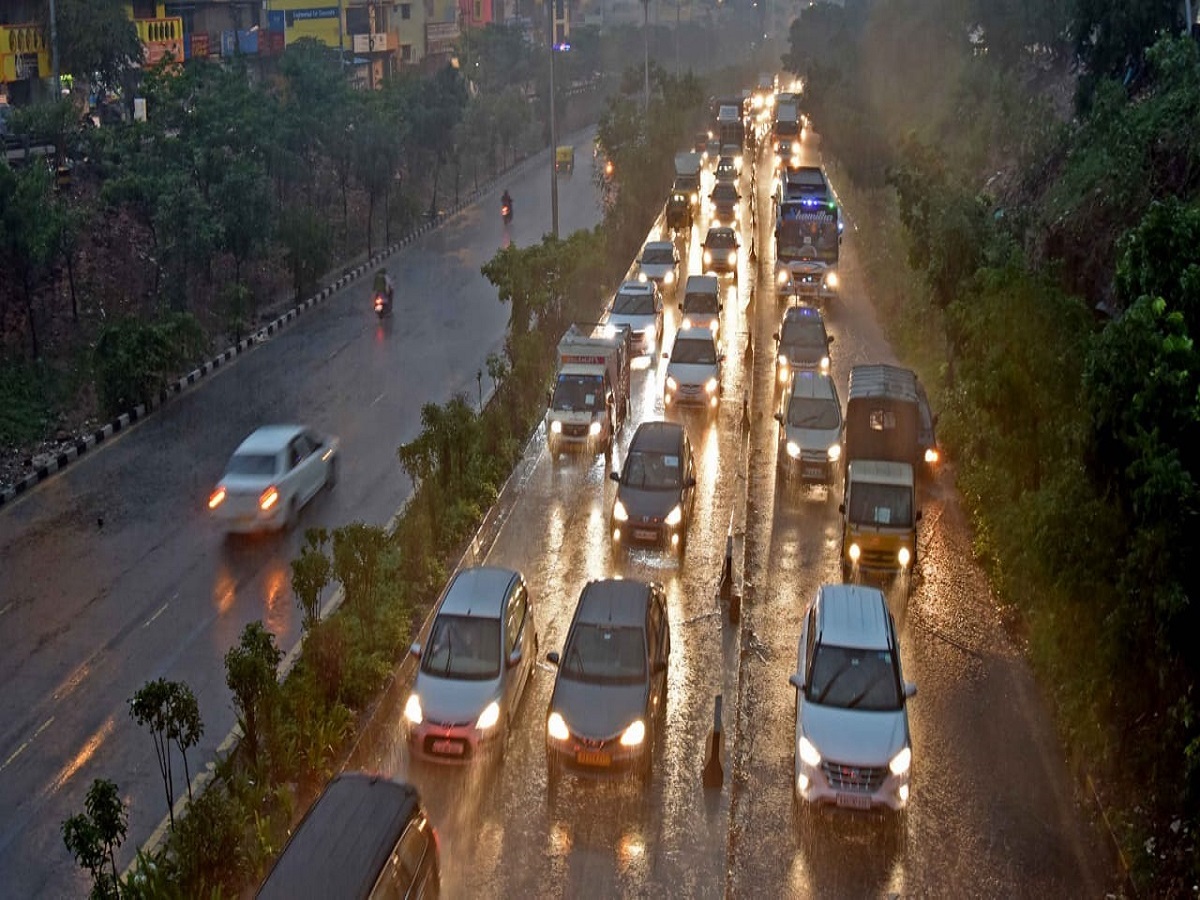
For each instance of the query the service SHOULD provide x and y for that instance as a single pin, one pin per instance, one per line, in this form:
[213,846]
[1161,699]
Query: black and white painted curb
[265,333]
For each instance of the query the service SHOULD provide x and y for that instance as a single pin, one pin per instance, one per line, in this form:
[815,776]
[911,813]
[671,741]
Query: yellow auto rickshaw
[564,159]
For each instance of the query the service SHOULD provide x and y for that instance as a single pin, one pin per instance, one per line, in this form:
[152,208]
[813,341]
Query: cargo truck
[590,398]
[687,176]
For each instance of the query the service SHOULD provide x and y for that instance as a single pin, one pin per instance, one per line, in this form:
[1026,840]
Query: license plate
[813,472]
[645,534]
[854,801]
[448,748]
[593,758]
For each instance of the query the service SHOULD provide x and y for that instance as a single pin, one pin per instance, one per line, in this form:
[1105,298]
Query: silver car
[474,668]
[610,693]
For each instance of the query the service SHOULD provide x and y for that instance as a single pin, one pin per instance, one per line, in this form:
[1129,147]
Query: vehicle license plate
[448,748]
[813,472]
[854,801]
[593,758]
[645,534]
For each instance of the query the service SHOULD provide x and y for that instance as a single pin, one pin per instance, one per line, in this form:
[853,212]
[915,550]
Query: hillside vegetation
[1027,189]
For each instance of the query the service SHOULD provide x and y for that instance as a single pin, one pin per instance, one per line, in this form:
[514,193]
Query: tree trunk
[71,283]
[33,337]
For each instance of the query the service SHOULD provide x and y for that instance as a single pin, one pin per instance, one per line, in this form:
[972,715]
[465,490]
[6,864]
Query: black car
[366,836]
[609,696]
[656,488]
[721,251]
[801,342]
[723,202]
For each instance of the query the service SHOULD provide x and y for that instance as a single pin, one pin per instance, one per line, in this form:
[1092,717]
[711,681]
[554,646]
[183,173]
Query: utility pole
[553,126]
[54,72]
[341,30]
[678,5]
[646,44]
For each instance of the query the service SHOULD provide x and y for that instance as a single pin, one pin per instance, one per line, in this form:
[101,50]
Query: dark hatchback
[656,488]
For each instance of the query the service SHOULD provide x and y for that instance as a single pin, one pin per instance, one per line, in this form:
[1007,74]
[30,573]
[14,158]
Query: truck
[808,236]
[786,124]
[889,436]
[590,398]
[731,132]
[687,176]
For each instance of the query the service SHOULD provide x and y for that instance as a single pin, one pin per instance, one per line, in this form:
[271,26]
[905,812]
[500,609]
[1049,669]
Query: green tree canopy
[97,41]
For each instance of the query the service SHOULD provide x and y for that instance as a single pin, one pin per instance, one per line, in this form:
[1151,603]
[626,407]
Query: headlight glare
[556,727]
[793,449]
[595,428]
[672,384]
[556,427]
[634,734]
[835,452]
[855,552]
[711,385]
[669,278]
[733,257]
[901,761]
[619,512]
[489,717]
[809,754]
[412,709]
[675,516]
[931,456]
[904,556]
[831,279]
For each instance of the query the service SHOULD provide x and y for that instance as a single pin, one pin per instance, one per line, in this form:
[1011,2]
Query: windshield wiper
[832,681]
[578,660]
[449,650]
[858,698]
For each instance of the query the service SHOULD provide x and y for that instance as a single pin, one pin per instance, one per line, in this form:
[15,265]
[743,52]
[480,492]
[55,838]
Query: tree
[97,40]
[356,551]
[311,574]
[251,672]
[170,711]
[241,201]
[94,835]
[307,243]
[1112,36]
[31,224]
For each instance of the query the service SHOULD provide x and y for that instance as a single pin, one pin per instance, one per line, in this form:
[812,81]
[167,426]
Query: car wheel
[331,473]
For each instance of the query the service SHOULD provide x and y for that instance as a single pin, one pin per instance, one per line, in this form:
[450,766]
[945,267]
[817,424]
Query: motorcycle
[506,212]
[383,305]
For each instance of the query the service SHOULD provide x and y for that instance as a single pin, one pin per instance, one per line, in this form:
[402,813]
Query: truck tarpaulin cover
[882,428]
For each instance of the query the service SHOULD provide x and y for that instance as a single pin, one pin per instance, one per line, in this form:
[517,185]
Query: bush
[134,359]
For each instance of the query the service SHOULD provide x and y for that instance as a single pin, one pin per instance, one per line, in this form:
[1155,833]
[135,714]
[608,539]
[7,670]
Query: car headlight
[733,257]
[672,384]
[675,516]
[556,427]
[835,452]
[669,278]
[620,513]
[716,223]
[783,277]
[269,498]
[642,276]
[595,428]
[695,197]
[824,363]
[809,754]
[707,257]
[855,552]
[901,762]
[687,322]
[931,456]
[634,734]
[831,279]
[556,727]
[711,385]
[217,498]
[489,717]
[904,556]
[777,160]
[412,709]
[793,449]
[783,361]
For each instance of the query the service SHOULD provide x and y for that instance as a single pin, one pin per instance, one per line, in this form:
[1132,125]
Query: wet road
[89,614]
[992,812]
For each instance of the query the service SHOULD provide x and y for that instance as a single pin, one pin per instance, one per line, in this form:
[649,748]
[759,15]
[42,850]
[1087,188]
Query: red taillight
[269,498]
[379,303]
[217,498]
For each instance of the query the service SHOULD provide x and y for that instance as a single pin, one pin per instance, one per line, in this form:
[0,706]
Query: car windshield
[700,303]
[881,504]
[806,412]
[575,393]
[633,304]
[465,647]
[658,256]
[721,240]
[251,464]
[694,352]
[652,471]
[852,678]
[802,333]
[726,193]
[605,654]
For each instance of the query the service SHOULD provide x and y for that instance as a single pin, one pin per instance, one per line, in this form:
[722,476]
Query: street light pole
[54,73]
[646,43]
[341,30]
[553,128]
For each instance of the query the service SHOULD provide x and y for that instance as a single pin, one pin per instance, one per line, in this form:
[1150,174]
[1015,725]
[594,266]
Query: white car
[638,305]
[853,748]
[810,433]
[693,369]
[271,475]
[659,263]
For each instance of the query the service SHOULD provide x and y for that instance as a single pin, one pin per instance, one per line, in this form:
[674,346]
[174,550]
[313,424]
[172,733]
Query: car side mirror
[829,339]
[615,476]
[917,518]
[552,657]
[691,482]
[415,649]
[842,508]
[666,355]
[775,335]
[796,680]
[514,659]
[779,418]
[910,689]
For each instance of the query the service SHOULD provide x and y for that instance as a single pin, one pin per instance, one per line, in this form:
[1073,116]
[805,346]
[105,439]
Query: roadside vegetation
[1028,211]
[296,734]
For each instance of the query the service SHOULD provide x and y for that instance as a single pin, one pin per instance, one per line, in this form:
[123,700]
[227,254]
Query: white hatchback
[271,475]
[693,369]
[852,747]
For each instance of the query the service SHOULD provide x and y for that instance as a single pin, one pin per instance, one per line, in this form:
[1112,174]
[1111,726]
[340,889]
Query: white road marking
[146,624]
[377,399]
[21,749]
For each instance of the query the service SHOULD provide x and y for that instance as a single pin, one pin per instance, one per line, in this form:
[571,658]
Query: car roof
[658,437]
[814,385]
[269,439]
[853,615]
[345,839]
[658,245]
[702,284]
[613,601]
[478,591]
[695,334]
[801,313]
[635,287]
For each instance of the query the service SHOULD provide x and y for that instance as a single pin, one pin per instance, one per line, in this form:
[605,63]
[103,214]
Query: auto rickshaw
[679,212]
[564,159]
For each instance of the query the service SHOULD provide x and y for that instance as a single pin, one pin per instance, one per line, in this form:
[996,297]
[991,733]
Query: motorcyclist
[384,287]
[506,204]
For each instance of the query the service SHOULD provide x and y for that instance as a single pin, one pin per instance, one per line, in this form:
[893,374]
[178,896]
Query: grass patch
[30,395]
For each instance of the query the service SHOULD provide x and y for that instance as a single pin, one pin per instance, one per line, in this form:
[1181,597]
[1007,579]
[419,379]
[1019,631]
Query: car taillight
[269,498]
[217,498]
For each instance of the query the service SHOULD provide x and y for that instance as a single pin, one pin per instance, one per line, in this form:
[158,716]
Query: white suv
[853,747]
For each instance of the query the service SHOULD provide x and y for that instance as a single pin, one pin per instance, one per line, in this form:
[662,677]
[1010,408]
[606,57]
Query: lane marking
[7,607]
[161,609]
[377,399]
[21,749]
